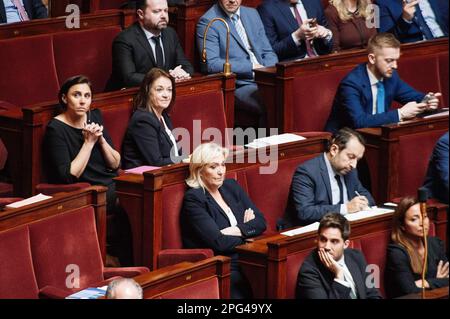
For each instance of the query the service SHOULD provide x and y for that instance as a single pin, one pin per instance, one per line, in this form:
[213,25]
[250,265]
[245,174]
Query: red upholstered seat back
[21,58]
[172,203]
[17,278]
[312,103]
[208,108]
[86,52]
[420,72]
[412,169]
[270,192]
[293,264]
[374,249]
[205,289]
[63,240]
[443,77]
[116,121]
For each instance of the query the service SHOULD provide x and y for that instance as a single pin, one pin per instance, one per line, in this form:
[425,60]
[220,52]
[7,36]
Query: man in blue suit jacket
[34,8]
[287,36]
[329,182]
[245,54]
[414,20]
[364,96]
[436,181]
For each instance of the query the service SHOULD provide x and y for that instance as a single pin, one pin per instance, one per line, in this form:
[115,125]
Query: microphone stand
[422,196]
[226,65]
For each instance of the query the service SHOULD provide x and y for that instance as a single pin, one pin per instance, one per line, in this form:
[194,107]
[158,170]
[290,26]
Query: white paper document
[89,293]
[275,140]
[373,211]
[302,230]
[28,201]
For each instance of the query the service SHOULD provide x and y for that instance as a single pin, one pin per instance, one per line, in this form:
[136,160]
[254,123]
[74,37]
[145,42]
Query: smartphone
[313,23]
[427,98]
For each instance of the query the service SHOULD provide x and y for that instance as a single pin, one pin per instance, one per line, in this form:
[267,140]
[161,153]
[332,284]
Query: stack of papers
[274,140]
[28,201]
[89,293]
[141,169]
[302,230]
[373,211]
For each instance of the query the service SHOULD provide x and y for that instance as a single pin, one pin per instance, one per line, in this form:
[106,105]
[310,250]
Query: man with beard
[146,44]
[365,95]
[329,182]
[334,271]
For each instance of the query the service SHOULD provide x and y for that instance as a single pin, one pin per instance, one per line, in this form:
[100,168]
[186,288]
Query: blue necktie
[420,20]
[380,97]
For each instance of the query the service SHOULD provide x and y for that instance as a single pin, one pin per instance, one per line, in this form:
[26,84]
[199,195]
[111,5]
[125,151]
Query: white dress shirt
[172,138]
[348,278]
[149,36]
[430,18]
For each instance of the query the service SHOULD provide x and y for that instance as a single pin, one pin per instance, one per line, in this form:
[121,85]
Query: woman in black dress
[149,139]
[405,253]
[77,148]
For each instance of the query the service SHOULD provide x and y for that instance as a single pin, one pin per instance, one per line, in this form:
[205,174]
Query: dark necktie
[158,52]
[420,20]
[309,49]
[341,189]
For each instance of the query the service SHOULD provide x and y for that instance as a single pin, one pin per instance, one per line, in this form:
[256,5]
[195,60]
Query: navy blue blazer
[311,190]
[352,106]
[279,23]
[315,281]
[391,19]
[146,141]
[202,219]
[34,8]
[436,180]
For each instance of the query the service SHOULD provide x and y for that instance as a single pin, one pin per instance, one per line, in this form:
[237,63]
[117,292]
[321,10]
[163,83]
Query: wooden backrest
[206,279]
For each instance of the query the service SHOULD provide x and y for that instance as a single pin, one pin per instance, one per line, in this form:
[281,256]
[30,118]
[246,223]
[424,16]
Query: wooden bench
[207,98]
[153,200]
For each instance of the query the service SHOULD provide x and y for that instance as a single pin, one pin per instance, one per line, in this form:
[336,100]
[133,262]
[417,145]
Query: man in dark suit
[334,271]
[414,20]
[436,181]
[365,95]
[146,44]
[329,182]
[289,29]
[11,10]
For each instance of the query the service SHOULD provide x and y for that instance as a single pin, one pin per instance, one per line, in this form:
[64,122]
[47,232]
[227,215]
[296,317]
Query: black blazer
[399,276]
[34,8]
[315,281]
[202,219]
[146,141]
[311,196]
[133,56]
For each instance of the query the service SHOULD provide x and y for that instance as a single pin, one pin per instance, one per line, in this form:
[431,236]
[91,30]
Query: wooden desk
[398,155]
[438,293]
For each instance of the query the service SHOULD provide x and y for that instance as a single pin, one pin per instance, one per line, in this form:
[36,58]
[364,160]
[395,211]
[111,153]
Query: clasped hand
[92,132]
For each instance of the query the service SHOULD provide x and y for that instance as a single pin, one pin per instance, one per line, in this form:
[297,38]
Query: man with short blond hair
[364,97]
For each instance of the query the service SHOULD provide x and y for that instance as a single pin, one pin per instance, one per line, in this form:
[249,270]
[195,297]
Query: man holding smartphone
[414,20]
[364,97]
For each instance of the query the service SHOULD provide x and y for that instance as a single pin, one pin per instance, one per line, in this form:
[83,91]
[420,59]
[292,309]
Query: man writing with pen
[329,182]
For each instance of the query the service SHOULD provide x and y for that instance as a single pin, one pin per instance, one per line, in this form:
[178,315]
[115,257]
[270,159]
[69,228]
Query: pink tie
[309,49]
[22,13]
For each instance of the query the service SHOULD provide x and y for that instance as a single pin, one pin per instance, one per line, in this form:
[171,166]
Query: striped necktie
[241,31]
[22,13]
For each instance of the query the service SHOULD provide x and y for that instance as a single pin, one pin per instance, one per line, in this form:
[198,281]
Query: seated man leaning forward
[330,182]
[364,97]
[332,270]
